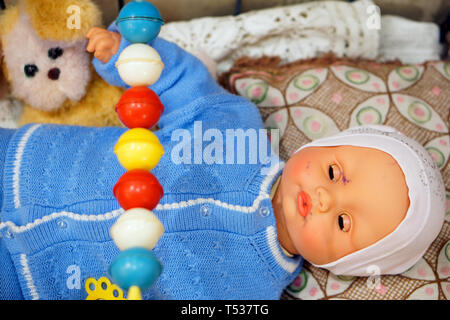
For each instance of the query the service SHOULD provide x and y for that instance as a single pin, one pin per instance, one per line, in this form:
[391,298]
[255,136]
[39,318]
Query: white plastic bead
[139,65]
[137,227]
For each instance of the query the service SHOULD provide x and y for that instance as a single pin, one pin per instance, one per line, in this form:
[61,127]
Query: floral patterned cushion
[311,99]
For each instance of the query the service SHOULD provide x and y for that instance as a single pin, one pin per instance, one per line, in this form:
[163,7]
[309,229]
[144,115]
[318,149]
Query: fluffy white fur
[23,46]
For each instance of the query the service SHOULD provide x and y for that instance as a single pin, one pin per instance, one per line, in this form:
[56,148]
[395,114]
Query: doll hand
[103,43]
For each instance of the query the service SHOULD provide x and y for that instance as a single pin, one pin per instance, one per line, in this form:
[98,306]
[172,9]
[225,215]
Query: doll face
[338,200]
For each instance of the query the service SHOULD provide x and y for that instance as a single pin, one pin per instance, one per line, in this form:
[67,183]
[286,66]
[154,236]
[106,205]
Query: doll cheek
[312,239]
[309,239]
[307,246]
[302,165]
[298,174]
[298,163]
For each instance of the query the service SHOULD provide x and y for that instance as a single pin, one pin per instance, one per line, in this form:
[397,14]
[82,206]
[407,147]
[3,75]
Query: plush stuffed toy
[47,65]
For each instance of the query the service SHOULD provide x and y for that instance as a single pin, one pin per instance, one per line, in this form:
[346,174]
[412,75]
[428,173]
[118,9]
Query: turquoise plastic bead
[135,267]
[139,22]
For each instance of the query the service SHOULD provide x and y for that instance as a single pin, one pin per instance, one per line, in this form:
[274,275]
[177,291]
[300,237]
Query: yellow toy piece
[138,149]
[134,293]
[102,290]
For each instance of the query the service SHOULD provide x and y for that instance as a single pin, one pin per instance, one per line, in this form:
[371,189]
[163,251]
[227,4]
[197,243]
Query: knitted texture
[9,284]
[220,232]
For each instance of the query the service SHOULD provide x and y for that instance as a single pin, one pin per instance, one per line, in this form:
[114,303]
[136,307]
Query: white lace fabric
[291,32]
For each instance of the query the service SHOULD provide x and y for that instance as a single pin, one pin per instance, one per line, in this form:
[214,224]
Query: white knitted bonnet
[402,248]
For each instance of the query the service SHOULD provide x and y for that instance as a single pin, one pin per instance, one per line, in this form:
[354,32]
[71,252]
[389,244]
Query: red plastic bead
[138,189]
[139,107]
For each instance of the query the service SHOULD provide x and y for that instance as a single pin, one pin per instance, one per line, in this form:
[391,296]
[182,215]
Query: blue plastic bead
[139,22]
[135,267]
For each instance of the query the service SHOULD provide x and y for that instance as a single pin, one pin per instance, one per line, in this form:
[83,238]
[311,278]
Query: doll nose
[324,199]
[53,74]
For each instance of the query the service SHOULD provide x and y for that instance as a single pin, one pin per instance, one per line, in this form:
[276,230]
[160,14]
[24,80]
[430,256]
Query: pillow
[310,99]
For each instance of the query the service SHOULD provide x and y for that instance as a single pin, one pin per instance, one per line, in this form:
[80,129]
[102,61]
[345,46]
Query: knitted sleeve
[9,283]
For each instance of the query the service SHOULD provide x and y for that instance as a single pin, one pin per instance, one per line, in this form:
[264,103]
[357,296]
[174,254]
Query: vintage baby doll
[379,206]
[225,236]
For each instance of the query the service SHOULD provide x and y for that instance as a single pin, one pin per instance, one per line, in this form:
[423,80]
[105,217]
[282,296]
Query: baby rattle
[137,231]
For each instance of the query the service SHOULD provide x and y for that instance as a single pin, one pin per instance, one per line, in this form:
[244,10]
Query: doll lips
[304,203]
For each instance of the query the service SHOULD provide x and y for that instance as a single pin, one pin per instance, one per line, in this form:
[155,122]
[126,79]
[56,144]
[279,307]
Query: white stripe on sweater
[264,193]
[287,265]
[74,216]
[17,163]
[193,202]
[27,275]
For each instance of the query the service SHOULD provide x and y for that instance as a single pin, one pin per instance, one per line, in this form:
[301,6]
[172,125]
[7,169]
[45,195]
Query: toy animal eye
[30,70]
[344,222]
[334,172]
[55,53]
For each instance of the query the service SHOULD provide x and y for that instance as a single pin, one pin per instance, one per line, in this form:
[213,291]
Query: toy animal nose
[54,73]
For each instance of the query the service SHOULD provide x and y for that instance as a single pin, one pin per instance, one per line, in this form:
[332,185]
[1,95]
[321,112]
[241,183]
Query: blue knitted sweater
[220,239]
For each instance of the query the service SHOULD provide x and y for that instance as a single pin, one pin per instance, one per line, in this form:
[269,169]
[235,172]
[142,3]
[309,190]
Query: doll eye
[344,222]
[55,53]
[30,70]
[334,172]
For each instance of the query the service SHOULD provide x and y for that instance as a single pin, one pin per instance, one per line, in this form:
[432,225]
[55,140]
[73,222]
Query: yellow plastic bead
[139,149]
[134,293]
[102,290]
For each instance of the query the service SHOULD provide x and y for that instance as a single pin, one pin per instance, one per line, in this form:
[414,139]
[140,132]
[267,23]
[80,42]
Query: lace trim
[291,32]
